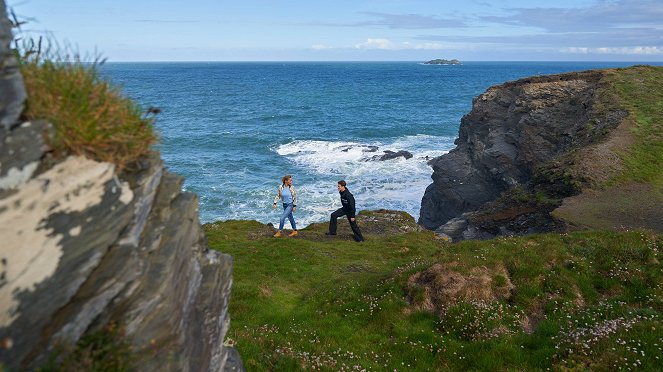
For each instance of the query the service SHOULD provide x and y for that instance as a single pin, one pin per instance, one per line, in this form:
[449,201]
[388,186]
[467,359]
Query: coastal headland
[538,244]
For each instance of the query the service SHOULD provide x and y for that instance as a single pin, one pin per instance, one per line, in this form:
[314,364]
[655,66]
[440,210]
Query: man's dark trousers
[353,224]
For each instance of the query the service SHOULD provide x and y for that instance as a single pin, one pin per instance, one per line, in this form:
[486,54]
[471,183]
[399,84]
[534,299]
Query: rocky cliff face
[84,246]
[512,145]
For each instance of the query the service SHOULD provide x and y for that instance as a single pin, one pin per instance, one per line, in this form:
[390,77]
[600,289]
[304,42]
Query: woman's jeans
[287,212]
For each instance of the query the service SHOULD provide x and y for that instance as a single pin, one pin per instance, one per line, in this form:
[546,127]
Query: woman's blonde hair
[285,178]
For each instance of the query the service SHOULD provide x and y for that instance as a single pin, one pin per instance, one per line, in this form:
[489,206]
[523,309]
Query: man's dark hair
[342,183]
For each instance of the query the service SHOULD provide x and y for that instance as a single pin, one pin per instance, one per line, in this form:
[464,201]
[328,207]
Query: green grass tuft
[105,350]
[90,116]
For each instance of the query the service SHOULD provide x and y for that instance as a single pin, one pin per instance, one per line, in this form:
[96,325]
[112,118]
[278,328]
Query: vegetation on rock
[103,350]
[90,116]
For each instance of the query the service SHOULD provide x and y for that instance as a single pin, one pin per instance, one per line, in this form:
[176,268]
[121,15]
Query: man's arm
[351,202]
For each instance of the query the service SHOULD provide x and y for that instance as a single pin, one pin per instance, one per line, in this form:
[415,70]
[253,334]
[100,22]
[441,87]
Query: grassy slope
[633,197]
[312,302]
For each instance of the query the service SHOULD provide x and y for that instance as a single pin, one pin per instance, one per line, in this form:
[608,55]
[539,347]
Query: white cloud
[576,50]
[632,50]
[429,46]
[636,50]
[386,44]
[370,43]
[321,47]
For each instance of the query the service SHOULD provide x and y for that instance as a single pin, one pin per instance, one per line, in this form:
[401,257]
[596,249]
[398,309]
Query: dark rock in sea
[347,148]
[512,132]
[388,155]
[442,62]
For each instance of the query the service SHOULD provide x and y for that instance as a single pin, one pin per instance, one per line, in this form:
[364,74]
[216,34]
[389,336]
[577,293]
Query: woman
[288,196]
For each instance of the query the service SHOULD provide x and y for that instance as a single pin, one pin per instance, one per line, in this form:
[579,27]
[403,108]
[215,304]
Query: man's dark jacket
[348,202]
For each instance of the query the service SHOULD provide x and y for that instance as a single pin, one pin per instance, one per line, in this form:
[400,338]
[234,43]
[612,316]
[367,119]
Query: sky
[354,30]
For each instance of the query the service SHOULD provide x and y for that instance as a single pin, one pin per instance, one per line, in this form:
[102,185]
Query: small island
[443,62]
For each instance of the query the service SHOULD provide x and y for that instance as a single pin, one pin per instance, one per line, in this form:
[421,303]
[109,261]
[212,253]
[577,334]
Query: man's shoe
[294,233]
[277,235]
[328,233]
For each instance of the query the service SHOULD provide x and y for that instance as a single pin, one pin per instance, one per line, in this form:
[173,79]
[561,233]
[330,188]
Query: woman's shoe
[294,233]
[277,235]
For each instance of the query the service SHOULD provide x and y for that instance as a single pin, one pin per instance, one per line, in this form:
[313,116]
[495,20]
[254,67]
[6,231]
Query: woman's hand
[294,209]
[273,205]
[352,219]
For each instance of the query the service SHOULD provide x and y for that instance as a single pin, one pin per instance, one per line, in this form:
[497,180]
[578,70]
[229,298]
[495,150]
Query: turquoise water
[234,129]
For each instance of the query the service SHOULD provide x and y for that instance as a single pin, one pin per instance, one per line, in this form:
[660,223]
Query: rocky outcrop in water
[388,155]
[442,62]
[514,142]
[84,247]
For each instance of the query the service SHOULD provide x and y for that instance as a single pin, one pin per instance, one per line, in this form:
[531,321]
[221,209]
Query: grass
[90,116]
[639,91]
[106,350]
[582,300]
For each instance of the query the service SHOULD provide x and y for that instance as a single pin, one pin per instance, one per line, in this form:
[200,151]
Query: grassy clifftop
[407,300]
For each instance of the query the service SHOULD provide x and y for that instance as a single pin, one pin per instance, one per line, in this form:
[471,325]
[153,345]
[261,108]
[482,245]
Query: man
[348,210]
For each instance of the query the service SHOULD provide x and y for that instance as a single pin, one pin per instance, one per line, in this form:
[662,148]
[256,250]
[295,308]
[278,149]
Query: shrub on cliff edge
[90,116]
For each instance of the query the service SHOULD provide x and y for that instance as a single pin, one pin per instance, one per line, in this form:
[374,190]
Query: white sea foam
[394,184]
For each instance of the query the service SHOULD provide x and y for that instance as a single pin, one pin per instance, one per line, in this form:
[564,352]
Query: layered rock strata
[513,141]
[83,247]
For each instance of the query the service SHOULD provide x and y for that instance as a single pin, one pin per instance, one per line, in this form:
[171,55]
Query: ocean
[234,129]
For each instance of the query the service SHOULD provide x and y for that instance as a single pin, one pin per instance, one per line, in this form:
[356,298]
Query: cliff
[528,147]
[85,247]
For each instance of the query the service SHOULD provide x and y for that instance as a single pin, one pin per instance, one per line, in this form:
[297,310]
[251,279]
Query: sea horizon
[655,63]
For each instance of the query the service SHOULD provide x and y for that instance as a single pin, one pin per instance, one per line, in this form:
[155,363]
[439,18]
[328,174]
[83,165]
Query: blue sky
[405,30]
